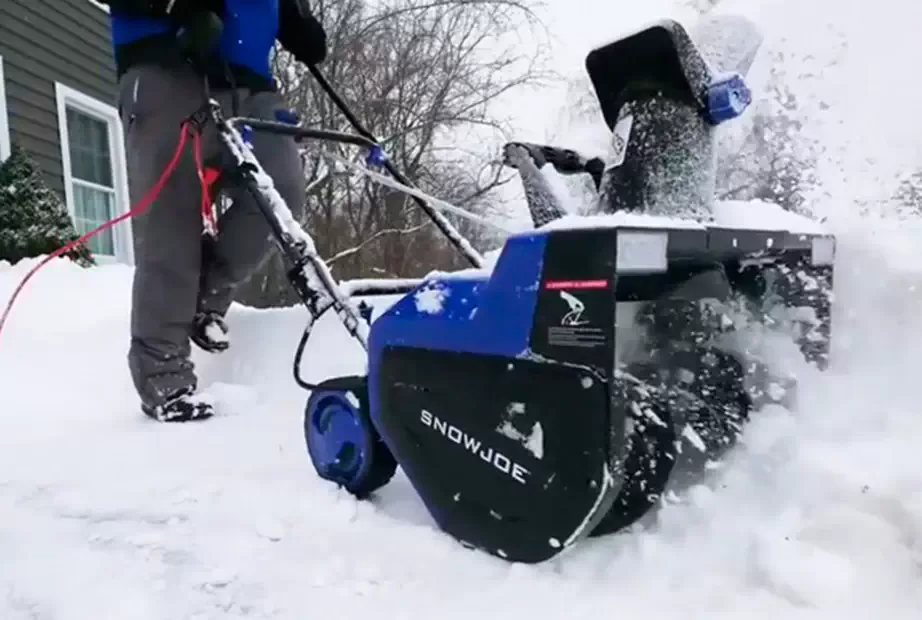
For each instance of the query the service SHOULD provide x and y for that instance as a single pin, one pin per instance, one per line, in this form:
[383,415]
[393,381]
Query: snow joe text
[498,460]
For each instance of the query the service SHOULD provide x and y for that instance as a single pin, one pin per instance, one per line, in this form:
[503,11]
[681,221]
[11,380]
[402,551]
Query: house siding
[43,41]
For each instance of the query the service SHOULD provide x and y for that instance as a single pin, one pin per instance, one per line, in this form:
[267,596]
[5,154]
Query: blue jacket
[250,30]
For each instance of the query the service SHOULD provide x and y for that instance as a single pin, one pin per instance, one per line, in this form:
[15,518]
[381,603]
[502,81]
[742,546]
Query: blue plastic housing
[487,314]
[477,313]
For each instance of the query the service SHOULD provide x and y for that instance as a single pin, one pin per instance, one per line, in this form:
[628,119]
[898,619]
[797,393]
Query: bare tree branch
[381,233]
[419,74]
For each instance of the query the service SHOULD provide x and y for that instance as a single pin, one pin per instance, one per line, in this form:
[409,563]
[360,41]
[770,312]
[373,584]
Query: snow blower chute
[559,394]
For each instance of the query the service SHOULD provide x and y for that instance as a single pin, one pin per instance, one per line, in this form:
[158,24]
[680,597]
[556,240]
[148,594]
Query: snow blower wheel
[342,443]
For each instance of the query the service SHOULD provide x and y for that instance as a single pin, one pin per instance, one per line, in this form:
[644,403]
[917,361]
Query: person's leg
[244,237]
[154,102]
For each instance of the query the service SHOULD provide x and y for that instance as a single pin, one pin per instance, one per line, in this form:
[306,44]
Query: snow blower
[559,394]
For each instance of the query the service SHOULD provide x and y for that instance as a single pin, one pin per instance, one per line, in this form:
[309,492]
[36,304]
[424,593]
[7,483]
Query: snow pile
[628,220]
[763,215]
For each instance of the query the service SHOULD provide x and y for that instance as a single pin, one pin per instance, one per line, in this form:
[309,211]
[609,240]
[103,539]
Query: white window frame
[5,143]
[69,97]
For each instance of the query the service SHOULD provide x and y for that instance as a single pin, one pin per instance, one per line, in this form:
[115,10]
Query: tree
[424,76]
[33,220]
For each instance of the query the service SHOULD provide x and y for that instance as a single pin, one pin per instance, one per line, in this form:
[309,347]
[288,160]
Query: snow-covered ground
[104,514]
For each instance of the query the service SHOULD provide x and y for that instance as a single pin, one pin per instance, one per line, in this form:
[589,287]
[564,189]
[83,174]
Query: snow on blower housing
[560,394]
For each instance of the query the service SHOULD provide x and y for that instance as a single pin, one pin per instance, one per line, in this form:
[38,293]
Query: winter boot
[184,406]
[209,332]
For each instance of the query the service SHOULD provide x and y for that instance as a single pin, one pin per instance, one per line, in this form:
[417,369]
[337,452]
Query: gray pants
[175,277]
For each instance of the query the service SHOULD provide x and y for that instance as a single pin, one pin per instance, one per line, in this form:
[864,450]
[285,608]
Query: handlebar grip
[564,161]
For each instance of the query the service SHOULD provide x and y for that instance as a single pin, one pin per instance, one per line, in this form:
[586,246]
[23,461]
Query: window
[91,178]
[94,171]
[4,119]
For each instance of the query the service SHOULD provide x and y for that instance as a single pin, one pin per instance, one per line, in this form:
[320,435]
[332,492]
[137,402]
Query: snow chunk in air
[431,298]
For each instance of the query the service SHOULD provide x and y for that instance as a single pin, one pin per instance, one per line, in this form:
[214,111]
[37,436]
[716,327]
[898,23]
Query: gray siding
[43,41]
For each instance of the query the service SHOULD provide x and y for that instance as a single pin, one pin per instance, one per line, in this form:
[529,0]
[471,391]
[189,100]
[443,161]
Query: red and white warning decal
[558,285]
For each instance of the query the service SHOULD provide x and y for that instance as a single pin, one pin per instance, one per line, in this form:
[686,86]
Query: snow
[533,441]
[689,433]
[431,297]
[762,215]
[630,220]
[749,214]
[818,514]
[214,333]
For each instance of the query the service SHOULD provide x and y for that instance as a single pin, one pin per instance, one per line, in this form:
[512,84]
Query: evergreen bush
[33,219]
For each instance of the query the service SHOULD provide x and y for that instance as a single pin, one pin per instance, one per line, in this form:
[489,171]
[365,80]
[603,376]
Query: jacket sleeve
[301,33]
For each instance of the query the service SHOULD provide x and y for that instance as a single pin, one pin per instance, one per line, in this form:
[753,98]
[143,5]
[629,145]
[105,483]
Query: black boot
[182,407]
[209,332]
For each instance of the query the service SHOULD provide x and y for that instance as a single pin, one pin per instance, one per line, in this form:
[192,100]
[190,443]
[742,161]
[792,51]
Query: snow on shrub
[33,219]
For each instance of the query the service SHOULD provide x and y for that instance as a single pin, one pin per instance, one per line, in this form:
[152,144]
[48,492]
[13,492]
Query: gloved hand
[514,151]
[301,33]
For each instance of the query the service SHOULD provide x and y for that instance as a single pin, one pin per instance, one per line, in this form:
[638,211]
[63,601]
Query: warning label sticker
[558,285]
[587,337]
[575,329]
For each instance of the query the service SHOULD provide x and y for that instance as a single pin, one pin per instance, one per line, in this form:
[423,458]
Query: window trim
[5,143]
[65,97]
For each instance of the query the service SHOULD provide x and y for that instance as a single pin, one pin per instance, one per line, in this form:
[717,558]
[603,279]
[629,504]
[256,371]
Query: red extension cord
[142,206]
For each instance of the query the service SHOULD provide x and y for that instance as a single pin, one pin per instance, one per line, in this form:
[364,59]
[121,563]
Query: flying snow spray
[662,102]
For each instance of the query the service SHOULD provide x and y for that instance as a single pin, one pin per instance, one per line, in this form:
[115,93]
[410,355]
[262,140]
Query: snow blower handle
[564,161]
[451,233]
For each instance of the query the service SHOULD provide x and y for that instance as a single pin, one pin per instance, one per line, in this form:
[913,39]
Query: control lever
[564,161]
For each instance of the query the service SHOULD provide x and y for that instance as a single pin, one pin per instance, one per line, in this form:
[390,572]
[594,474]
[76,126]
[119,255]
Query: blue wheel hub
[339,440]
[342,442]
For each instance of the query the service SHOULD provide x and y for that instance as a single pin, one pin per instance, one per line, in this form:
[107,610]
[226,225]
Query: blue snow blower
[561,393]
